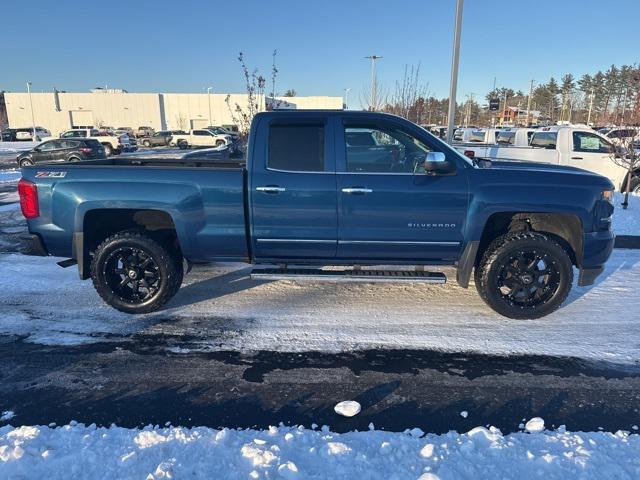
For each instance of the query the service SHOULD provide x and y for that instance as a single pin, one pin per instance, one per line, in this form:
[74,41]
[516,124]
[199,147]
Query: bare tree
[628,157]
[242,115]
[181,122]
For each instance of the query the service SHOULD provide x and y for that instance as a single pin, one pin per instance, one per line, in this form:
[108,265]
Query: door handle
[356,190]
[576,158]
[271,189]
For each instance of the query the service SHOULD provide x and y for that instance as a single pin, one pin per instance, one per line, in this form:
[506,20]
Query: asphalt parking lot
[215,358]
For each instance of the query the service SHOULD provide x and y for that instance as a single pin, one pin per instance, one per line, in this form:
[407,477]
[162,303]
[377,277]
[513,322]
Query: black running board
[67,263]
[369,276]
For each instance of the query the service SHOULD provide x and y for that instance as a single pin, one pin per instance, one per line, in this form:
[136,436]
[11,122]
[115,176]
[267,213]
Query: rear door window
[296,147]
[506,138]
[546,140]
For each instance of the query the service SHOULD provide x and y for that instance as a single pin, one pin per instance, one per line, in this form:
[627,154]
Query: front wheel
[26,163]
[146,143]
[135,274]
[220,143]
[524,275]
[182,145]
[108,149]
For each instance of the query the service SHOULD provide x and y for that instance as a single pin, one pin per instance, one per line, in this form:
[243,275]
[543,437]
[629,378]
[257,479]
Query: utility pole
[467,119]
[374,86]
[504,108]
[346,98]
[624,105]
[455,58]
[209,100]
[33,118]
[590,105]
[529,103]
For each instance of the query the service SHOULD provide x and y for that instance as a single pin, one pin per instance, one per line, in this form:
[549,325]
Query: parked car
[224,131]
[161,138]
[113,145]
[72,150]
[201,138]
[571,146]
[26,134]
[130,226]
[621,136]
[127,130]
[8,135]
[144,132]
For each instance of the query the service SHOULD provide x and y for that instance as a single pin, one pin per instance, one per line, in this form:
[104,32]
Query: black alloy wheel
[134,273]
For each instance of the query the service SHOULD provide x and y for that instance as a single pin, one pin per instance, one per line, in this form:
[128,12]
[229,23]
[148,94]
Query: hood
[538,171]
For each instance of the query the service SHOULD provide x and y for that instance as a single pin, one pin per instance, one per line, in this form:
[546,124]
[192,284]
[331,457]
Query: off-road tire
[496,257]
[169,267]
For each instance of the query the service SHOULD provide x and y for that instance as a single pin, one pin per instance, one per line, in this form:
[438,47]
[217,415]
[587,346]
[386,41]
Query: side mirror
[436,163]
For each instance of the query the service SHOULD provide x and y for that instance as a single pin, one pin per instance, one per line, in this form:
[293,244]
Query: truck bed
[204,198]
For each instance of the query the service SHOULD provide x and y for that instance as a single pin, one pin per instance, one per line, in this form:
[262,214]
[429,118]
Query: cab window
[590,142]
[382,149]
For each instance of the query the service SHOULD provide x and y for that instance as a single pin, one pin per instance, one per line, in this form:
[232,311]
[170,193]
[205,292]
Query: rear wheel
[183,145]
[146,143]
[134,273]
[524,275]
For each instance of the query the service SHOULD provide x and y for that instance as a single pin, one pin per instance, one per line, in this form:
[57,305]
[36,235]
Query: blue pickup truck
[349,190]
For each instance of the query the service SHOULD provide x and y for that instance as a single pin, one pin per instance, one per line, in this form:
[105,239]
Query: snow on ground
[15,147]
[9,176]
[627,222]
[78,451]
[220,308]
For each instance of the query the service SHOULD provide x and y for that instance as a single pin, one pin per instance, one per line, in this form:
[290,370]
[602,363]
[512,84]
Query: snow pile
[348,408]
[76,451]
[627,222]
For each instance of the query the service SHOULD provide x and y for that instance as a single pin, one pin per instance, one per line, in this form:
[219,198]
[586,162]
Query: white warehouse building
[60,111]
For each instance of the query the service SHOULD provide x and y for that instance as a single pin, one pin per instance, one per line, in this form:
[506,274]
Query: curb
[627,241]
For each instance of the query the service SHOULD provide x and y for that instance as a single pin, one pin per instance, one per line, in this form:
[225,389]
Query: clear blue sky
[187,45]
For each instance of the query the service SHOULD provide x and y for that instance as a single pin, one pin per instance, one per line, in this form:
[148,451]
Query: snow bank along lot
[285,452]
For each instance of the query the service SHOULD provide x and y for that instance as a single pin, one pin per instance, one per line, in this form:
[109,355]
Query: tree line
[602,98]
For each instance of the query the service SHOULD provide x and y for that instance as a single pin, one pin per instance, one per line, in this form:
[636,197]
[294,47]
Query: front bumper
[597,248]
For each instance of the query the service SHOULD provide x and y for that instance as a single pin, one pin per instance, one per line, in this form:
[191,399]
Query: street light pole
[33,118]
[374,86]
[346,98]
[454,71]
[209,100]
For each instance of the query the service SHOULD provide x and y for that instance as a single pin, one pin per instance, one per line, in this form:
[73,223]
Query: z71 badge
[51,174]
